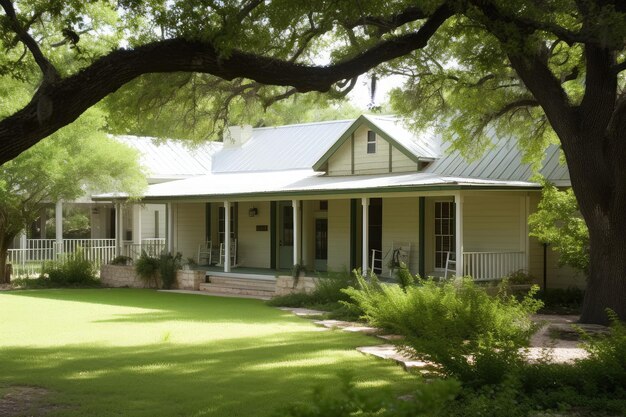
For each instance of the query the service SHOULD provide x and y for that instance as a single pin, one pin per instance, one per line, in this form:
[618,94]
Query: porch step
[257,284]
[236,286]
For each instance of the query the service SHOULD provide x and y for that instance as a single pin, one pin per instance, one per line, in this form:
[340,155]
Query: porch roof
[308,182]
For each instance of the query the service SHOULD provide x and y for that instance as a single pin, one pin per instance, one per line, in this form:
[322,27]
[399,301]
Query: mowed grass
[122,352]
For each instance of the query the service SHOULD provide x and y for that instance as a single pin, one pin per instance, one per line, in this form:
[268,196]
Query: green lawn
[120,352]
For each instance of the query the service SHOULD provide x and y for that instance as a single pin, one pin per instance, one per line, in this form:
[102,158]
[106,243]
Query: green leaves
[558,223]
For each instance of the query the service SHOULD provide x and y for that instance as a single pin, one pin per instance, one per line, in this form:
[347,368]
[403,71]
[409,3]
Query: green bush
[562,300]
[121,260]
[73,270]
[168,265]
[344,399]
[147,268]
[328,296]
[471,335]
[405,279]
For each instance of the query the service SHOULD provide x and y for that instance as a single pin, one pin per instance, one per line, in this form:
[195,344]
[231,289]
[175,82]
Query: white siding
[101,221]
[374,163]
[253,247]
[338,235]
[340,163]
[401,224]
[190,228]
[557,277]
[401,162]
[148,222]
[491,222]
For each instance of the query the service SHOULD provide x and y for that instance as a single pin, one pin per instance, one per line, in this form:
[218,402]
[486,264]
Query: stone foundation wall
[285,285]
[120,276]
[125,276]
[190,279]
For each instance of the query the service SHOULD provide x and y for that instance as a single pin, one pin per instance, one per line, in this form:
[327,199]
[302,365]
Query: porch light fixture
[253,212]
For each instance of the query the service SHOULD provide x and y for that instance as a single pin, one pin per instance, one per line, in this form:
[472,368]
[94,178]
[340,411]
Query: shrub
[168,265]
[147,268]
[562,300]
[520,277]
[73,270]
[328,295]
[405,279]
[474,337]
[344,400]
[121,260]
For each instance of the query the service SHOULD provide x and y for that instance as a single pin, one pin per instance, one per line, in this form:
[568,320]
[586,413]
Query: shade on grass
[120,352]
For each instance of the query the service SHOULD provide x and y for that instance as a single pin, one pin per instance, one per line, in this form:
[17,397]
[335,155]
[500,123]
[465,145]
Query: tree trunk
[606,286]
[4,277]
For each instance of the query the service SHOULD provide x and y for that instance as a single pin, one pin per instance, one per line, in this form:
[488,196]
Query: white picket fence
[492,265]
[29,261]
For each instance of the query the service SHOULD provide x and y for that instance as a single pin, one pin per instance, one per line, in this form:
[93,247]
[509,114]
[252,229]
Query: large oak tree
[537,69]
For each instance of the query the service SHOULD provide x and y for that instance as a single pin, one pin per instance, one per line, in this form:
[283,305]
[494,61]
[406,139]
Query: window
[221,220]
[444,232]
[371,142]
[323,205]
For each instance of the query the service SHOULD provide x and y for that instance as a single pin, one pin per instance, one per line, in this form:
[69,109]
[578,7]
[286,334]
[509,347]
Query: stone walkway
[542,344]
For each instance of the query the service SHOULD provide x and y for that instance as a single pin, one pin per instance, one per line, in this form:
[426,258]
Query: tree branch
[68,98]
[525,102]
[49,72]
[386,24]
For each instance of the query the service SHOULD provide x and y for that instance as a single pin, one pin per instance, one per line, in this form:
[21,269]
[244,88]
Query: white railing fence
[153,247]
[29,261]
[492,265]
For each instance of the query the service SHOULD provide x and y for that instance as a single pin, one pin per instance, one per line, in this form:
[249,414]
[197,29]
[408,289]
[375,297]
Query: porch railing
[152,246]
[29,261]
[492,265]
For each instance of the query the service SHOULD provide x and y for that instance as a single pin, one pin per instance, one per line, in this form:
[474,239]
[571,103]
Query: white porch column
[364,267]
[137,224]
[295,204]
[58,217]
[458,216]
[120,224]
[169,227]
[118,246]
[226,236]
[23,240]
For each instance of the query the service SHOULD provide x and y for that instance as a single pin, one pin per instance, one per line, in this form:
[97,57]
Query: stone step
[243,283]
[221,289]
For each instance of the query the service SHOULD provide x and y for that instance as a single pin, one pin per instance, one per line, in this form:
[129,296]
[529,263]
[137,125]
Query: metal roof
[281,148]
[230,185]
[503,162]
[171,159]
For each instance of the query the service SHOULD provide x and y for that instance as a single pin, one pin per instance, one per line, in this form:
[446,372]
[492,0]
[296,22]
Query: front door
[285,235]
[321,244]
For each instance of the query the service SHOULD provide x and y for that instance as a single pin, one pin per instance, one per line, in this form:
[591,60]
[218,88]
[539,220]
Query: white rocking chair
[205,251]
[233,253]
[450,264]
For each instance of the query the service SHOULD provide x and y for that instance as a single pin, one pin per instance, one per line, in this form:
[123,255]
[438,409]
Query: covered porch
[484,233]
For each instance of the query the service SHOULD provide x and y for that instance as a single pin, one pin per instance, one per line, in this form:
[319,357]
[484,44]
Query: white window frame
[371,140]
[451,235]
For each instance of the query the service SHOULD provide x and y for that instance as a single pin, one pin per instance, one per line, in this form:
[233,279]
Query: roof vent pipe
[236,136]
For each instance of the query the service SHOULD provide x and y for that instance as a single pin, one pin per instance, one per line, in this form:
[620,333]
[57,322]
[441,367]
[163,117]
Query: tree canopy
[77,160]
[540,70]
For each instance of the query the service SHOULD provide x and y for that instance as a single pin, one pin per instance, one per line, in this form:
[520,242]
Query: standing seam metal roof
[281,148]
